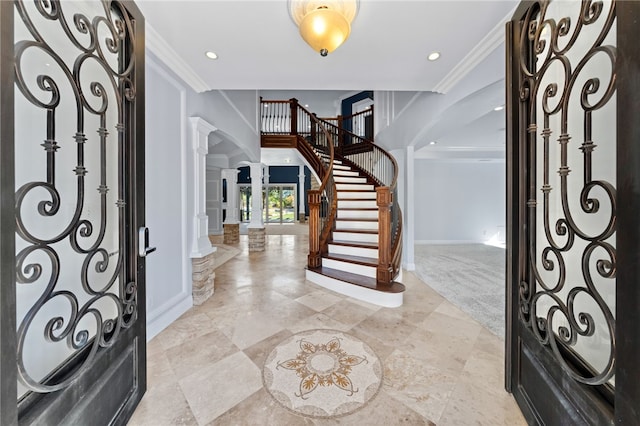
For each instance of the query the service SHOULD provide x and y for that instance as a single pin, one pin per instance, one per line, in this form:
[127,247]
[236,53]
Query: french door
[72,152]
[573,258]
[279,203]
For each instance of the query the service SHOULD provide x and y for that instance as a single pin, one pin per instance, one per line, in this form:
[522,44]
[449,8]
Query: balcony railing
[321,140]
[360,123]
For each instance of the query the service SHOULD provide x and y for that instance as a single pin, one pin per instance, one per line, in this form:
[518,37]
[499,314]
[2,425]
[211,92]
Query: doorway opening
[278,201]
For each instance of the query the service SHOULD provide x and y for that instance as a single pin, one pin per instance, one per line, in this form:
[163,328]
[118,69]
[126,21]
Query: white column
[265,175]
[301,177]
[231,176]
[256,195]
[200,244]
[409,208]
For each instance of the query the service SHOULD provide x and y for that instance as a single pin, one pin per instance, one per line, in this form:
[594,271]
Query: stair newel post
[294,116]
[384,199]
[371,130]
[315,259]
[314,128]
[341,134]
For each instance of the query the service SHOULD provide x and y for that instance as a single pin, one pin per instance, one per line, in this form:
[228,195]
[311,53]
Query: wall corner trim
[488,44]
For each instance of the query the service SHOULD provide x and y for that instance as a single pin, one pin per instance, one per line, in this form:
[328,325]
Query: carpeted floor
[471,276]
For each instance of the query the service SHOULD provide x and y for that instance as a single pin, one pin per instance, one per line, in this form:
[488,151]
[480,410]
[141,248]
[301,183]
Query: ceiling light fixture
[433,143]
[211,55]
[499,108]
[433,56]
[324,24]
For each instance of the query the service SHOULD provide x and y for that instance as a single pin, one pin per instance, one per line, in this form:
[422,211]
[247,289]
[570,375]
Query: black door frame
[103,408]
[8,343]
[550,396]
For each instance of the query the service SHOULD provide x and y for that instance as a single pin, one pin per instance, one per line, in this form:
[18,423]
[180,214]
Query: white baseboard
[409,266]
[442,242]
[162,317]
[387,300]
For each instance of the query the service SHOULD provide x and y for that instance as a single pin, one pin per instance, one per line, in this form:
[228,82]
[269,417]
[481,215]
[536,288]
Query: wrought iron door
[72,151]
[573,343]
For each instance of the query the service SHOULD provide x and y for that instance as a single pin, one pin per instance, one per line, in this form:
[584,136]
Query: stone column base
[231,233]
[203,277]
[257,238]
[302,218]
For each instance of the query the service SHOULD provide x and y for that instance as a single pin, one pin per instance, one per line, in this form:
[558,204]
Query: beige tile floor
[440,366]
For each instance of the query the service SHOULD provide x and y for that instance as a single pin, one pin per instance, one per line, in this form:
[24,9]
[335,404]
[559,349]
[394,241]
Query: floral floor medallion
[322,373]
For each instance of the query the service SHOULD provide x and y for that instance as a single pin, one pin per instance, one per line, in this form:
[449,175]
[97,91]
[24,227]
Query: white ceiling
[259,48]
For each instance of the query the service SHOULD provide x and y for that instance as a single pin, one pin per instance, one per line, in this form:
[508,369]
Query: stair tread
[357,190]
[359,260]
[358,244]
[360,280]
[356,199]
[358,231]
[359,208]
[356,219]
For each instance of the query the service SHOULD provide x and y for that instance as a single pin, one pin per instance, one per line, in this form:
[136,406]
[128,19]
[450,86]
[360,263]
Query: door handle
[143,242]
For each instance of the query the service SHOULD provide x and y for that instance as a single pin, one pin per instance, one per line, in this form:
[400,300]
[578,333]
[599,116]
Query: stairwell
[348,257]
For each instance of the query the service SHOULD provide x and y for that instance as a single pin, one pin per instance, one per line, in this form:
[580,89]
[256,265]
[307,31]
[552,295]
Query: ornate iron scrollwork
[555,297]
[103,42]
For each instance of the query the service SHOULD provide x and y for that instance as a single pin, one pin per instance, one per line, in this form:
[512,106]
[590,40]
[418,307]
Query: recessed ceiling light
[433,56]
[211,55]
[499,108]
[306,105]
[433,143]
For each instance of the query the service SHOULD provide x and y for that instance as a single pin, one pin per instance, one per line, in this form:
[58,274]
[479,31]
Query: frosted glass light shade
[324,30]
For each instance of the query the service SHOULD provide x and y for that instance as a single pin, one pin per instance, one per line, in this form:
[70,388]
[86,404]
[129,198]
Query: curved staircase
[354,220]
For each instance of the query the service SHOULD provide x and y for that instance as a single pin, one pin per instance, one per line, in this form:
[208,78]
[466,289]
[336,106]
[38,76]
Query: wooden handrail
[367,156]
[368,111]
[341,120]
[312,139]
[325,141]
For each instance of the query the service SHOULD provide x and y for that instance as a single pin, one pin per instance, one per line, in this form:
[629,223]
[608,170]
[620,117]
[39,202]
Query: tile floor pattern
[440,366]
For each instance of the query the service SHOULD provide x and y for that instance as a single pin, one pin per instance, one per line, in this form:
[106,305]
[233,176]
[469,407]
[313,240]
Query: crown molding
[165,53]
[488,44]
[436,148]
[462,154]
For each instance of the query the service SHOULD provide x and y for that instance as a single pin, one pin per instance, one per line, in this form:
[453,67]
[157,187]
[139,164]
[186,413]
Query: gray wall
[167,200]
[459,201]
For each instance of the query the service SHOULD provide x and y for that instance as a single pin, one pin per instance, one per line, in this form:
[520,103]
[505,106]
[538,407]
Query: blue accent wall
[245,175]
[347,104]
